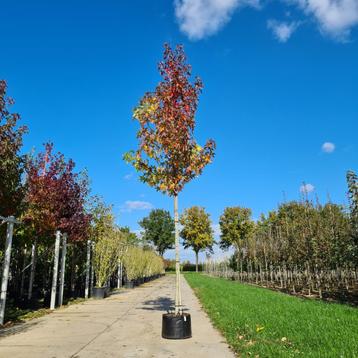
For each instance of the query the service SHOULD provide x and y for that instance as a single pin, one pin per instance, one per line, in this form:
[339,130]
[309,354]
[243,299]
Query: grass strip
[262,323]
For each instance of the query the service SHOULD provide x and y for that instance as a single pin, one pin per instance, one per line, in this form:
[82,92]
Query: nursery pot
[129,284]
[99,293]
[176,326]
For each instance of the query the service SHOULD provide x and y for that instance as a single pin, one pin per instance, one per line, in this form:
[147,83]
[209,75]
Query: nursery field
[263,323]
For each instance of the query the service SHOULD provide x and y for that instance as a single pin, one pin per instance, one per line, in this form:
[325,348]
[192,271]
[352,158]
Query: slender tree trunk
[23,273]
[63,267]
[73,271]
[33,268]
[196,261]
[177,258]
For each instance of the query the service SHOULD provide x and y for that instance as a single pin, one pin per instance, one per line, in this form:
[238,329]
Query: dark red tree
[56,196]
[11,161]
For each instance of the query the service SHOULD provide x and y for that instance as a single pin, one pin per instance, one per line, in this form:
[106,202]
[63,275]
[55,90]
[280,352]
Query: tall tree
[158,229]
[197,232]
[168,156]
[11,162]
[56,196]
[56,200]
[236,228]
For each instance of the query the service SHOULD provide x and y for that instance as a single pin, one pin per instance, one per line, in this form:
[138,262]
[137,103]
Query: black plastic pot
[176,326]
[99,293]
[129,284]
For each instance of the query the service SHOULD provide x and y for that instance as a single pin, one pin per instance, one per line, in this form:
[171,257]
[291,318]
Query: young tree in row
[108,251]
[55,200]
[197,232]
[11,162]
[158,229]
[237,229]
[168,156]
[352,181]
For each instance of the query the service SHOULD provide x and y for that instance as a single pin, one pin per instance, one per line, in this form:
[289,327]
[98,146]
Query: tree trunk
[196,261]
[33,268]
[73,271]
[63,267]
[23,273]
[177,259]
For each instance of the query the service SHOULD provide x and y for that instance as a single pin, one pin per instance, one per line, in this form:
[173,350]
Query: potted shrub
[141,265]
[131,261]
[106,255]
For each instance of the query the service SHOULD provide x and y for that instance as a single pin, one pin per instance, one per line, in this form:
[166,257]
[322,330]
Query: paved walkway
[127,324]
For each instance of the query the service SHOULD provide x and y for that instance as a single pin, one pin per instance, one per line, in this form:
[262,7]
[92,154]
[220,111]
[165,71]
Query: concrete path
[127,324]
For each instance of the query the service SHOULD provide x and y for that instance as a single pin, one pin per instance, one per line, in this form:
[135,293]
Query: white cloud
[201,18]
[328,147]
[282,30]
[335,17]
[136,205]
[306,188]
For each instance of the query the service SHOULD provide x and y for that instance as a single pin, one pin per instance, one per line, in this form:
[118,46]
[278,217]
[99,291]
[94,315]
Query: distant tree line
[301,246]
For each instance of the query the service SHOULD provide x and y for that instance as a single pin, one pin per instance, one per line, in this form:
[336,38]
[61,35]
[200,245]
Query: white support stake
[6,266]
[55,271]
[63,268]
[88,266]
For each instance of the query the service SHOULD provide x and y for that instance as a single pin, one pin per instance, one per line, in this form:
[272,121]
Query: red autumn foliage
[11,161]
[168,156]
[56,196]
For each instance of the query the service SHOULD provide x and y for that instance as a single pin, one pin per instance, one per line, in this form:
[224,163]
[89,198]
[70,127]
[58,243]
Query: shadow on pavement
[16,328]
[159,304]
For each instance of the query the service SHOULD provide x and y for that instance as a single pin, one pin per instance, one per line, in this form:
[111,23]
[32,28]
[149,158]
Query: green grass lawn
[261,323]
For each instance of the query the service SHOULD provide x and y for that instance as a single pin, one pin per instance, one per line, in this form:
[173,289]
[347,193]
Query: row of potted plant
[141,265]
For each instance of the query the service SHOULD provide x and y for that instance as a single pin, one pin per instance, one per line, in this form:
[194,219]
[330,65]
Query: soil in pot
[176,326]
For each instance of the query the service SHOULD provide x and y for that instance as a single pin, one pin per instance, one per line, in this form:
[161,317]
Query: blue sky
[280,77]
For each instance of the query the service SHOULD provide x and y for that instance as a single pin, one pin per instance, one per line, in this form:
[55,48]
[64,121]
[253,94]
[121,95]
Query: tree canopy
[12,163]
[56,196]
[168,156]
[197,232]
[158,229]
[236,227]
